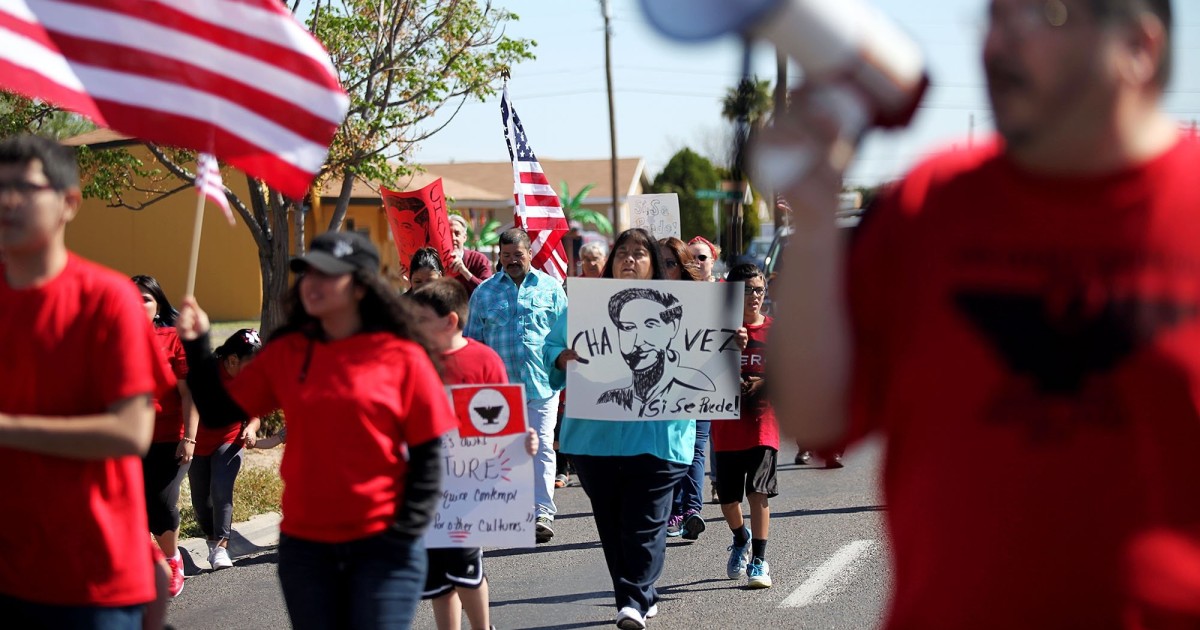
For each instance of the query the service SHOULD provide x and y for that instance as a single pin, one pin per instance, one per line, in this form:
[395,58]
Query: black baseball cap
[336,253]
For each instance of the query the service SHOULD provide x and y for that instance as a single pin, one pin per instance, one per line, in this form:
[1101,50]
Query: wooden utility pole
[779,109]
[612,117]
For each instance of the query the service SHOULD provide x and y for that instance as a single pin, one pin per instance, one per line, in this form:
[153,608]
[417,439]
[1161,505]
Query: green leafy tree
[685,173]
[20,115]
[408,67]
[575,211]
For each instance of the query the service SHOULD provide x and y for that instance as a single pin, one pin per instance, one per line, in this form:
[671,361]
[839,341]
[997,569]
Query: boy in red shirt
[75,412]
[746,449]
[441,310]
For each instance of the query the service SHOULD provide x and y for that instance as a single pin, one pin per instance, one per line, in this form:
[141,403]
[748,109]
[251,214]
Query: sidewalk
[254,536]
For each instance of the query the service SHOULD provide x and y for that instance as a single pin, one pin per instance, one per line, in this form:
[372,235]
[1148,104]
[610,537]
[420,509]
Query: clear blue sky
[668,95]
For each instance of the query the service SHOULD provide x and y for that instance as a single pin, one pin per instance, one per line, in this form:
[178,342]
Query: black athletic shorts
[742,472]
[453,568]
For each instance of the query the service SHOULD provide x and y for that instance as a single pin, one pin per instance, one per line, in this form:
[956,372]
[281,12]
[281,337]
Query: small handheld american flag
[209,184]
[537,208]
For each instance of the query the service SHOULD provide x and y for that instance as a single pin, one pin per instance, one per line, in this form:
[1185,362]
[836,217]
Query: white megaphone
[861,68]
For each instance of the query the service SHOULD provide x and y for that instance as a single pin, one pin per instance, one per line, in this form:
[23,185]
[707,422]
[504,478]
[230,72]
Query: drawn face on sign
[647,322]
[645,334]
[414,226]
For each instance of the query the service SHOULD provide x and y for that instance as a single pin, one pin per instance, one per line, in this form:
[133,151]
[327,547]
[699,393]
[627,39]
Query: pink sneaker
[175,581]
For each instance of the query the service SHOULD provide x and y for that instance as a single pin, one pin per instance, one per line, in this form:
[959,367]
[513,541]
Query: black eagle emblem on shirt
[1065,348]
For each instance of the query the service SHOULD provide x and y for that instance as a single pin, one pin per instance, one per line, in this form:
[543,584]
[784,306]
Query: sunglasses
[755,291]
[702,257]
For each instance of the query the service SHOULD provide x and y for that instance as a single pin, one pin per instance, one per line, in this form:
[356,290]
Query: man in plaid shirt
[513,312]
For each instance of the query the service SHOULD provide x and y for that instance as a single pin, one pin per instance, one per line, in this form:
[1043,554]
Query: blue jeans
[631,498]
[18,613]
[371,582]
[543,416]
[689,494]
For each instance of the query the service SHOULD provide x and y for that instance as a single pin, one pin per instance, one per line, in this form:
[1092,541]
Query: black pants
[631,500]
[162,475]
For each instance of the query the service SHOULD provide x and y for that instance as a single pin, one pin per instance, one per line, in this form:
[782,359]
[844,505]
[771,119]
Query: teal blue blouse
[672,440]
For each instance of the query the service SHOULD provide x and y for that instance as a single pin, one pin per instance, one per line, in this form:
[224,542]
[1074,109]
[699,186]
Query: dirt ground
[260,458]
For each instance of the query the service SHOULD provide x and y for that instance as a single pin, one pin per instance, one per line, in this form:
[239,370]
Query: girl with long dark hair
[218,458]
[174,440]
[365,409]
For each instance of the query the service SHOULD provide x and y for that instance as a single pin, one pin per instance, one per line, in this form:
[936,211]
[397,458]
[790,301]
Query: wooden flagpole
[195,257]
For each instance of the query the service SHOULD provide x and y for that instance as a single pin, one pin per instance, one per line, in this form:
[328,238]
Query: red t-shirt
[1030,346]
[473,364]
[352,405]
[74,530]
[209,440]
[757,426]
[168,421]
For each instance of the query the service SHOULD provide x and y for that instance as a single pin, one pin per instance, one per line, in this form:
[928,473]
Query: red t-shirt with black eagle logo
[1030,347]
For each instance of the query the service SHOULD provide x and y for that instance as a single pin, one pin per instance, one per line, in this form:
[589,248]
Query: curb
[251,537]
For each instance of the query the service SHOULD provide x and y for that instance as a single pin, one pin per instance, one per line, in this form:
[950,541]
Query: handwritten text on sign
[658,214]
[487,476]
[654,349]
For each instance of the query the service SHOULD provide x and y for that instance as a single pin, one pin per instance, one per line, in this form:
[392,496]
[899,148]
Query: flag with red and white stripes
[238,78]
[209,184]
[537,208]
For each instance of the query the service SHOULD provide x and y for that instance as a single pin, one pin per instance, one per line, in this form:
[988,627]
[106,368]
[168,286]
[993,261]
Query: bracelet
[188,440]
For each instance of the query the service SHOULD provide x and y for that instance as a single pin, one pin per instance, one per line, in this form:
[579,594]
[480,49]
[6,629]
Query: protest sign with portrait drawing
[418,218]
[654,349]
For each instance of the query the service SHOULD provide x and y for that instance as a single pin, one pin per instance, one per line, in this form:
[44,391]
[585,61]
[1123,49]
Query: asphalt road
[827,554]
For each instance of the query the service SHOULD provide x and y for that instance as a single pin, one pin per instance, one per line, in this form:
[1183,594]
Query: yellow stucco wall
[157,240]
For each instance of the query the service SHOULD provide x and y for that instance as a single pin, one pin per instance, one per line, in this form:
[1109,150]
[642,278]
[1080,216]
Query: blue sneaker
[759,573]
[739,557]
[675,525]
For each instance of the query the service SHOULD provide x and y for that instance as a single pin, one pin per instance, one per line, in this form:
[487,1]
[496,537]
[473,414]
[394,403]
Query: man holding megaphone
[1021,320]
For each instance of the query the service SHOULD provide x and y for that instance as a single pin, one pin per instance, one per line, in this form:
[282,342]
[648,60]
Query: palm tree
[573,208]
[486,239]
[752,98]
[747,106]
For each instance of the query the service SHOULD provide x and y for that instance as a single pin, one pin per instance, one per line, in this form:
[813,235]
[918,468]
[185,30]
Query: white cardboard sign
[487,476]
[654,349]
[657,214]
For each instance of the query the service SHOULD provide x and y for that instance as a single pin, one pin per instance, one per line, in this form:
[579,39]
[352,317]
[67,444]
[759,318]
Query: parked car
[756,253]
[846,220]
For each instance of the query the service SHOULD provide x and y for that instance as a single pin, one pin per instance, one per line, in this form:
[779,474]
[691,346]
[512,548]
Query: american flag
[240,78]
[537,208]
[209,184]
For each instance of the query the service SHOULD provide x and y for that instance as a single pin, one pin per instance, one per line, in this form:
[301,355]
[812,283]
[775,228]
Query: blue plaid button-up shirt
[514,321]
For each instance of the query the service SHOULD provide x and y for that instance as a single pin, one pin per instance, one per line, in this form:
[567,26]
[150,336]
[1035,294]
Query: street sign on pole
[723,195]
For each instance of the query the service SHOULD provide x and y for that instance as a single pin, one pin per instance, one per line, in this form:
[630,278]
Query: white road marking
[838,568]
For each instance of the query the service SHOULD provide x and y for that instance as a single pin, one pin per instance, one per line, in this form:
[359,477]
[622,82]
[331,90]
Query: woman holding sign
[629,469]
[358,393]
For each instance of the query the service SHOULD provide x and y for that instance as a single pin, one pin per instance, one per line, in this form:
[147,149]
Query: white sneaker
[653,612]
[219,558]
[630,619]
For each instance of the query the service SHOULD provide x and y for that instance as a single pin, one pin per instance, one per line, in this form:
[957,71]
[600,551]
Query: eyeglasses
[23,188]
[756,291]
[1029,18]
[702,257]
